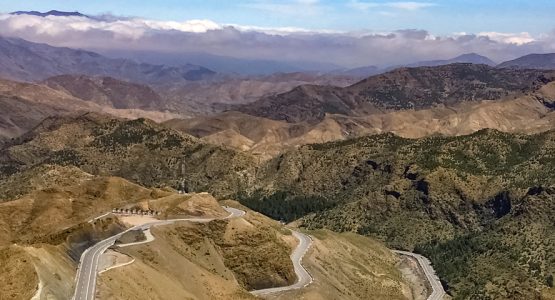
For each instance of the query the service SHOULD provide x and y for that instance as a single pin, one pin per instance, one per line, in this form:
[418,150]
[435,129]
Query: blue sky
[438,17]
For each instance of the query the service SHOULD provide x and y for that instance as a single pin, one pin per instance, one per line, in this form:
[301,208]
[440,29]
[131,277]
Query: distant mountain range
[532,61]
[55,13]
[469,58]
[27,61]
[92,80]
[362,72]
[243,66]
[403,88]
[223,64]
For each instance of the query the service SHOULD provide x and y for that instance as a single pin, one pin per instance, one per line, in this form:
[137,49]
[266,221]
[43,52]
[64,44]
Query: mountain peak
[474,58]
[55,13]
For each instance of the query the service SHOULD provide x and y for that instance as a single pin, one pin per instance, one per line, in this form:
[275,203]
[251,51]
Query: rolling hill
[54,207]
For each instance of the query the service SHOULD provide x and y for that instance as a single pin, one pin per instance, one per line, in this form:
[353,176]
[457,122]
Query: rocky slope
[405,88]
[45,215]
[25,105]
[266,138]
[18,279]
[107,91]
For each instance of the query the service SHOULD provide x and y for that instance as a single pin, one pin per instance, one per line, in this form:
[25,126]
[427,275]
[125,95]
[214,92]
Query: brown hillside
[107,91]
[25,105]
[404,88]
[266,138]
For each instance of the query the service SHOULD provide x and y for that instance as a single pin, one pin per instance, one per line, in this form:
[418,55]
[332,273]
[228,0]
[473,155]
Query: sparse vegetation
[402,88]
[18,279]
[471,203]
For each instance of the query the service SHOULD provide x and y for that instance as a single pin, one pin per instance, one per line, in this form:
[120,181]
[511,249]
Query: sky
[350,33]
[438,17]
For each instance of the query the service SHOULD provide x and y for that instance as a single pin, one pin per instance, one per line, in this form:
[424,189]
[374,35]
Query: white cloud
[130,28]
[284,30]
[509,38]
[187,26]
[285,43]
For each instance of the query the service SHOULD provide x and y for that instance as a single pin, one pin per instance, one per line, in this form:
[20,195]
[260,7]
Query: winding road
[303,277]
[85,288]
[437,289]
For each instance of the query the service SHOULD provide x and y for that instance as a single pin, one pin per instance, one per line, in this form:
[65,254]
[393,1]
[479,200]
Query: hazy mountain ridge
[266,138]
[55,13]
[405,88]
[27,61]
[468,58]
[531,61]
[224,64]
[215,96]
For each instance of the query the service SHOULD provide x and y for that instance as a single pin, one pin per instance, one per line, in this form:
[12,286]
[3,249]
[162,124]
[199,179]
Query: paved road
[437,289]
[86,274]
[303,277]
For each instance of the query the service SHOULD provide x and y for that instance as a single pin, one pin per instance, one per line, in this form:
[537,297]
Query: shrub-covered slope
[464,201]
